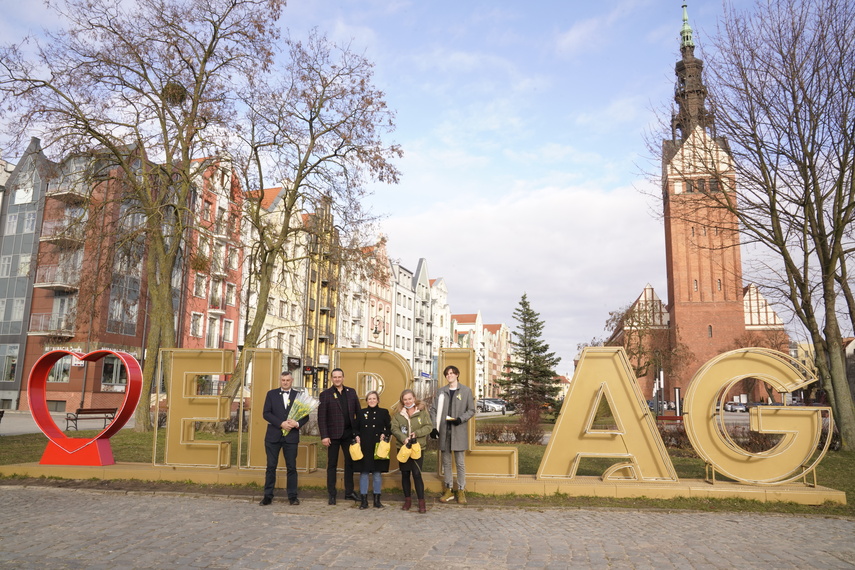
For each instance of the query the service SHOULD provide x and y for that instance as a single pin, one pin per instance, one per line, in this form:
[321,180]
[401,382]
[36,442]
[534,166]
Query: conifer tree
[529,380]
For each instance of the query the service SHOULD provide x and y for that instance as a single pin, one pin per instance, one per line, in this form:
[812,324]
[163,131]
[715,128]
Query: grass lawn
[835,471]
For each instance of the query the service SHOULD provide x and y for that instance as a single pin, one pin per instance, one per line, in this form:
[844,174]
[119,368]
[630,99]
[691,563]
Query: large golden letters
[602,374]
[186,407]
[801,427]
[605,373]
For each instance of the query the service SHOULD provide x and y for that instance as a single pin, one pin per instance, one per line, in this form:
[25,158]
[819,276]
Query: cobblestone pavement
[64,528]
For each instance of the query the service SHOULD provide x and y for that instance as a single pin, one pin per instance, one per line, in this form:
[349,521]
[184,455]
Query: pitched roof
[465,318]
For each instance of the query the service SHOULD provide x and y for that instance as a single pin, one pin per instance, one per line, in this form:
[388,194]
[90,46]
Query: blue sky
[523,126]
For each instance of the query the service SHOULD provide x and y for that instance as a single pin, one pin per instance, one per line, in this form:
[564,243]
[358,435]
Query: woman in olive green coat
[412,424]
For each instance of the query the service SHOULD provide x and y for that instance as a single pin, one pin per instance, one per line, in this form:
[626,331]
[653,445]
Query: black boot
[364,502]
[377,504]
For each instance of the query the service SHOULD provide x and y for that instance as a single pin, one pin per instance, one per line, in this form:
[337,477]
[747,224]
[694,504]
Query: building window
[206,210]
[283,309]
[199,285]
[719,284]
[280,341]
[124,305]
[5,266]
[228,330]
[113,372]
[216,294]
[29,222]
[709,331]
[696,284]
[713,185]
[18,309]
[11,224]
[196,325]
[233,258]
[24,264]
[271,306]
[293,311]
[230,293]
[203,246]
[8,362]
[23,194]
[61,370]
[212,341]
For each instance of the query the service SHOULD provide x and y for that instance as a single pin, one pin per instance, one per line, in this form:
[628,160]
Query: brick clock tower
[709,310]
[705,292]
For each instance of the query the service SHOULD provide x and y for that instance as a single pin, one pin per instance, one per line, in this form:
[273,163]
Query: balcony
[62,233]
[52,324]
[57,278]
[216,305]
[75,194]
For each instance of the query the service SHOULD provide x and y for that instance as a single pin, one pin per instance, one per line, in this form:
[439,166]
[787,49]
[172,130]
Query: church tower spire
[702,247]
[690,93]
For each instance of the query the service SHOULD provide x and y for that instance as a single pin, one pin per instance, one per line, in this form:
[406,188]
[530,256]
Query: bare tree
[781,83]
[642,330]
[313,126]
[150,84]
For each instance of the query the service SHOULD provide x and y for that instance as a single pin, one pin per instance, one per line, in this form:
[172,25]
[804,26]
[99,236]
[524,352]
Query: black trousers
[332,466]
[289,450]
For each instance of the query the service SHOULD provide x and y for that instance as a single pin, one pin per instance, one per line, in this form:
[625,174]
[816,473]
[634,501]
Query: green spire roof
[686,30]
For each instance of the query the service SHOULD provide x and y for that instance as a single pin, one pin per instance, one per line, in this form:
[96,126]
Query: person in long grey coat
[453,407]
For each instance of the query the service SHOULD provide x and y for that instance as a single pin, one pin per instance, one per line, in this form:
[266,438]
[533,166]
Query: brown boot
[422,506]
[461,496]
[447,496]
[408,502]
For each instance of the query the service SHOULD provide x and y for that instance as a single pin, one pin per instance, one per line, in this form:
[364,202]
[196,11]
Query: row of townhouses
[72,277]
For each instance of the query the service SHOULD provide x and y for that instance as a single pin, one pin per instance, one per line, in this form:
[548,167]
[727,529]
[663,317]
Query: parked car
[508,406]
[735,407]
[489,405]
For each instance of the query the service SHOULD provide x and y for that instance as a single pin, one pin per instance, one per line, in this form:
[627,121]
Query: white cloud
[578,252]
[590,34]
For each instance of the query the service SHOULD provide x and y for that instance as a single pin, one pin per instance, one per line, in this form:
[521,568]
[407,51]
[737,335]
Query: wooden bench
[106,414]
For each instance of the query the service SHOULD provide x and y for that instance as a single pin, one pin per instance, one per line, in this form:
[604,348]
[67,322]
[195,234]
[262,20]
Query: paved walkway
[64,528]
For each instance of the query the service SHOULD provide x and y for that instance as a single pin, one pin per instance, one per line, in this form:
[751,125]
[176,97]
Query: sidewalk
[64,528]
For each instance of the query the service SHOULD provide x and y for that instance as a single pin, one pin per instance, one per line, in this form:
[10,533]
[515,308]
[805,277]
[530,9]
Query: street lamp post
[376,331]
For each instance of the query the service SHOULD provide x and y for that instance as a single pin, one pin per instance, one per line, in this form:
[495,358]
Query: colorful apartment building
[75,279]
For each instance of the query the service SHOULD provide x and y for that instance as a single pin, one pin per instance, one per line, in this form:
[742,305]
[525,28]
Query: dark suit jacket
[275,413]
[330,419]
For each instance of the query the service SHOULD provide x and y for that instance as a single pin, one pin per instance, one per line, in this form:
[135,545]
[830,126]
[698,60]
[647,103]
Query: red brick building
[709,309]
[88,281]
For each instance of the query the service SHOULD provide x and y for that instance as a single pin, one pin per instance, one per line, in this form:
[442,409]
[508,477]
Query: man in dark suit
[337,422]
[277,404]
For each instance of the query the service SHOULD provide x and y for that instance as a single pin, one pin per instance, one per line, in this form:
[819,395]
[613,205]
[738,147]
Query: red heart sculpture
[64,450]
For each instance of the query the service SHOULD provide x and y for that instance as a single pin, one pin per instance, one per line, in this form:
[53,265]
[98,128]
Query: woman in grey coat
[452,408]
